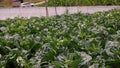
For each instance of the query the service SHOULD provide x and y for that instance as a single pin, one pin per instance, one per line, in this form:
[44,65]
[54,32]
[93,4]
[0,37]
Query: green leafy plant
[82,2]
[66,41]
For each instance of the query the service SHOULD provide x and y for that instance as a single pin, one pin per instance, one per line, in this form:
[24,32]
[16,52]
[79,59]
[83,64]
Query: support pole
[67,10]
[46,7]
[77,4]
[55,6]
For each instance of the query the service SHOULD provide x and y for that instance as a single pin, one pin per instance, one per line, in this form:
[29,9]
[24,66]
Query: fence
[77,4]
[64,3]
[52,8]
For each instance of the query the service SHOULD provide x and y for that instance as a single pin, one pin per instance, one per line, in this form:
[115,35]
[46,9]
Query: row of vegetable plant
[82,2]
[66,41]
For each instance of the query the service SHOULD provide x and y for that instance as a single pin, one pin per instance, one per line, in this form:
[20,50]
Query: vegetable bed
[82,2]
[66,41]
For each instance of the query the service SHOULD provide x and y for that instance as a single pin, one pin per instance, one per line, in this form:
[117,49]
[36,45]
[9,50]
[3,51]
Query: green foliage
[82,2]
[66,41]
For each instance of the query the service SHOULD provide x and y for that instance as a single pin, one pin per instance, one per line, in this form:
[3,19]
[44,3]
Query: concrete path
[40,11]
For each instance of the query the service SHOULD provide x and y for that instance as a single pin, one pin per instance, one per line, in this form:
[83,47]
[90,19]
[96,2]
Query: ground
[40,11]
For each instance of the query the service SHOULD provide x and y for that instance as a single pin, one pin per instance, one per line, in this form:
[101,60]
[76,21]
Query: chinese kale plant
[66,41]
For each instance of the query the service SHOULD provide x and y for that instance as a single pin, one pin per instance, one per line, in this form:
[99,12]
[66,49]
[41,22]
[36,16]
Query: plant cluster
[82,2]
[66,41]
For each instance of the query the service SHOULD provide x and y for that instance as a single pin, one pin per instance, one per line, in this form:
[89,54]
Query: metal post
[46,7]
[77,4]
[55,7]
[67,10]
